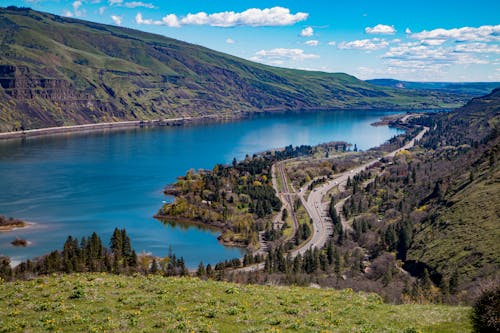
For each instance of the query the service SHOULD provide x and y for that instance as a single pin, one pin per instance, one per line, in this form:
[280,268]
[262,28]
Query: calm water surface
[82,183]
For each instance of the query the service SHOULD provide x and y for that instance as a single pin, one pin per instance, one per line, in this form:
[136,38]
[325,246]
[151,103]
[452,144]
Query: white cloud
[332,43]
[130,4]
[76,8]
[407,31]
[307,32]
[364,44]
[312,42]
[278,56]
[230,41]
[424,55]
[433,42]
[101,10]
[483,33]
[169,20]
[135,4]
[381,29]
[276,16]
[117,19]
[67,13]
[140,20]
[478,48]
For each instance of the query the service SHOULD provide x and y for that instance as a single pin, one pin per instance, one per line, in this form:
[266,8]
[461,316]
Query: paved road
[318,210]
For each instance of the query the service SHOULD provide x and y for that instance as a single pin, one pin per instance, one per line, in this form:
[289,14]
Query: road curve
[318,210]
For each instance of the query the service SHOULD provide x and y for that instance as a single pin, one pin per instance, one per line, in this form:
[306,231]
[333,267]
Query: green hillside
[460,235]
[61,71]
[110,303]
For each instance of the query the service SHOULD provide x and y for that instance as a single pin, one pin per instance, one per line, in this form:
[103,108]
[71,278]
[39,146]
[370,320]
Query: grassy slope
[463,231]
[132,304]
[106,73]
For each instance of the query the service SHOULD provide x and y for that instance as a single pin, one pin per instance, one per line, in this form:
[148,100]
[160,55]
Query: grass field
[109,303]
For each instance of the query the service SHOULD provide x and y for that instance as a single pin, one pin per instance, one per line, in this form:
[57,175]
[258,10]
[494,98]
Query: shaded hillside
[60,71]
[462,88]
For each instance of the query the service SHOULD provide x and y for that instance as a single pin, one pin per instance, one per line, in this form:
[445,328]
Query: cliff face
[61,71]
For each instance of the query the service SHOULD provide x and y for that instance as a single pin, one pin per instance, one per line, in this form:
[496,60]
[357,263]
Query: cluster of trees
[90,255]
[313,261]
[238,198]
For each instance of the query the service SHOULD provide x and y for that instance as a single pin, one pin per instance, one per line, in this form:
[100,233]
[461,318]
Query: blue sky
[409,40]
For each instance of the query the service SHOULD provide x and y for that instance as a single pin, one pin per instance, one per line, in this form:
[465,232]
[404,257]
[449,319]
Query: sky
[439,40]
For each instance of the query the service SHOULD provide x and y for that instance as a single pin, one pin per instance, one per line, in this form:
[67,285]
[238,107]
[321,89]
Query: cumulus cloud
[255,17]
[278,56]
[332,43]
[312,42]
[407,31]
[76,8]
[381,29]
[426,55]
[481,34]
[140,20]
[117,19]
[307,32]
[364,44]
[135,4]
[101,10]
[230,41]
[169,20]
[67,13]
[433,42]
[477,48]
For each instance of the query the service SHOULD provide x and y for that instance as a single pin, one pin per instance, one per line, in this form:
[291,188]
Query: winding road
[316,208]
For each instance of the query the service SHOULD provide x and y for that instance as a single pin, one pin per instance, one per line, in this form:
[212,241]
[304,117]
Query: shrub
[486,312]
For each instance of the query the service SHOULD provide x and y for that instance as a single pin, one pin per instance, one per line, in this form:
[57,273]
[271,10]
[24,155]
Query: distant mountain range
[465,88]
[61,71]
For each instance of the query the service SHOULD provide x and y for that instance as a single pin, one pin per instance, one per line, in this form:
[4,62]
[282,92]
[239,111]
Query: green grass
[108,303]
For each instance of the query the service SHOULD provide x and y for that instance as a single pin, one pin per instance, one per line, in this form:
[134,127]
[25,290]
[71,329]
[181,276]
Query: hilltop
[103,302]
[58,71]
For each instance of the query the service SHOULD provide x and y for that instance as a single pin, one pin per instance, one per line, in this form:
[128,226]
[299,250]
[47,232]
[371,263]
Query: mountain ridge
[57,71]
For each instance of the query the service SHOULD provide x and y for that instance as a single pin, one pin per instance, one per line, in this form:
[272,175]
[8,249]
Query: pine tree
[154,267]
[201,269]
[116,243]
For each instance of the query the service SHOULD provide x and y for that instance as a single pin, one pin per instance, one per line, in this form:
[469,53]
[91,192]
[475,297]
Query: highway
[316,208]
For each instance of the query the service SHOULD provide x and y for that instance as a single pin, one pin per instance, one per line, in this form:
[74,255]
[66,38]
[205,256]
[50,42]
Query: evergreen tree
[201,270]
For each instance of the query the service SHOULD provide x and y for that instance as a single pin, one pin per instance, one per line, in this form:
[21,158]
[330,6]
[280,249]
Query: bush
[486,312]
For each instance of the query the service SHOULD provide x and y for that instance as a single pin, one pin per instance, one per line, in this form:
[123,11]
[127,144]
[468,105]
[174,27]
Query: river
[80,183]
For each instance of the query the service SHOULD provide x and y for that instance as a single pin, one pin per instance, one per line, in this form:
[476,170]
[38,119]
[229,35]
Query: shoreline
[9,228]
[183,222]
[85,128]
[169,122]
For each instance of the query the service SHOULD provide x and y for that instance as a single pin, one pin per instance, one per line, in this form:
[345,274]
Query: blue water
[80,183]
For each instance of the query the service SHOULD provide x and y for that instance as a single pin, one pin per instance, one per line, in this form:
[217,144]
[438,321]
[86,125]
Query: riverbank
[171,122]
[168,122]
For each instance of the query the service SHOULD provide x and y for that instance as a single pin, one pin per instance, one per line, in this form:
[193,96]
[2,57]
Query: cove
[85,182]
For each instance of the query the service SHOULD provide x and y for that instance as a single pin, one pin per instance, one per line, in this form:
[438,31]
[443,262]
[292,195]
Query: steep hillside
[111,303]
[459,239]
[61,71]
